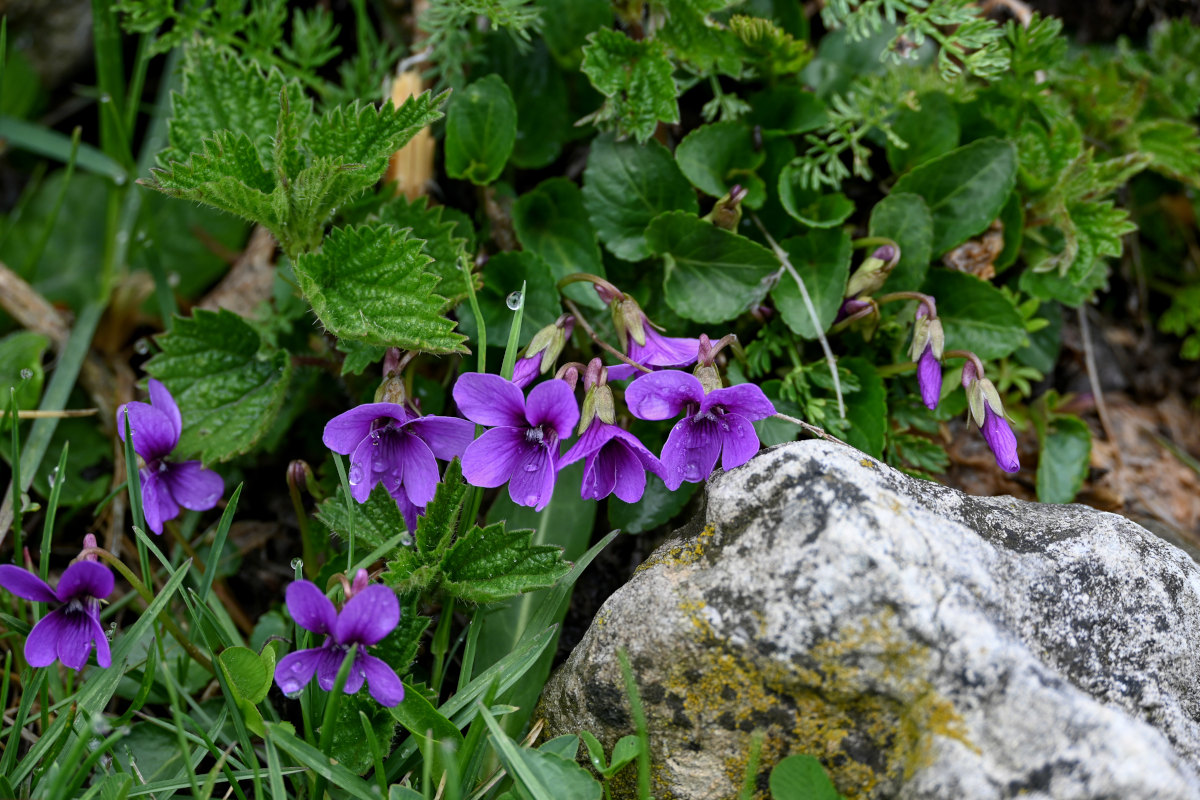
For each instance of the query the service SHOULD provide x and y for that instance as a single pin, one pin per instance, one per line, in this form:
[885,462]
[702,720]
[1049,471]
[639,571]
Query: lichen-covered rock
[920,642]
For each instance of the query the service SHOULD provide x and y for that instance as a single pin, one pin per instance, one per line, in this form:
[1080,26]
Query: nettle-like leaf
[692,36]
[772,49]
[369,283]
[247,142]
[444,239]
[636,77]
[481,565]
[712,275]
[228,382]
[625,186]
[375,522]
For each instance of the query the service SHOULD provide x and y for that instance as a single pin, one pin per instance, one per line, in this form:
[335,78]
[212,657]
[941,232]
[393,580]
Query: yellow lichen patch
[683,554]
[868,463]
[869,738]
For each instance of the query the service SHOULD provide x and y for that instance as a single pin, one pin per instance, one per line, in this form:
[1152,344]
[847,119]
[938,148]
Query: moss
[868,741]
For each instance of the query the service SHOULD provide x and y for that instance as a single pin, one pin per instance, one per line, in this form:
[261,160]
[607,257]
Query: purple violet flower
[522,447]
[641,340]
[368,616]
[69,631]
[986,409]
[156,427]
[615,461]
[716,423]
[389,445]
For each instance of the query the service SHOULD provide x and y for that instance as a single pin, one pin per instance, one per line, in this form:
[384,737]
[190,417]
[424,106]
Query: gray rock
[920,642]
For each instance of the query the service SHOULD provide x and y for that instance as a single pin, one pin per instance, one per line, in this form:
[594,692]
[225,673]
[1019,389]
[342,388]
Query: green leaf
[21,368]
[306,755]
[444,236]
[811,207]
[866,409]
[771,49]
[544,775]
[801,777]
[369,283]
[636,77]
[481,128]
[1012,217]
[249,673]
[540,94]
[929,132]
[551,221]
[1063,462]
[717,157]
[1173,147]
[360,139]
[964,189]
[489,564]
[573,20]
[502,275]
[787,109]
[657,506]
[224,92]
[348,746]
[428,727]
[905,219]
[376,521]
[822,259]
[975,315]
[1042,351]
[712,275]
[359,356]
[228,382]
[625,186]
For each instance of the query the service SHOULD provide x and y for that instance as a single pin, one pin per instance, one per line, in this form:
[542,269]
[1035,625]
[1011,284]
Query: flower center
[535,435]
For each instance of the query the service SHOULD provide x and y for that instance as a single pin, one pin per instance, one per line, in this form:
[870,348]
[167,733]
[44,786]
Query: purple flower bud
[929,378]
[526,370]
[986,409]
[370,615]
[1002,440]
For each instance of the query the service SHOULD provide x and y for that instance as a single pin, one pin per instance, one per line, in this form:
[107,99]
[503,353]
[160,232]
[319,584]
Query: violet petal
[553,403]
[662,395]
[157,504]
[362,476]
[382,681]
[599,476]
[295,670]
[41,646]
[744,398]
[1002,440]
[648,460]
[328,664]
[532,482]
[103,650]
[664,351]
[25,584]
[489,460]
[691,451]
[368,617]
[408,510]
[192,486]
[162,400]
[526,370]
[415,466]
[85,579]
[589,442]
[739,440]
[309,606]
[622,372]
[75,637]
[489,400]
[344,432]
[447,437]
[153,431]
[355,677]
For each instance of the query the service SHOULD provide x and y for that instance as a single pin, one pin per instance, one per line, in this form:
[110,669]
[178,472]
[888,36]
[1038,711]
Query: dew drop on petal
[691,471]
[378,465]
[531,499]
[356,474]
[513,301]
[531,467]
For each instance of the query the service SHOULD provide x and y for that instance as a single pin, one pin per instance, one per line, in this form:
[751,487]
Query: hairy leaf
[229,384]
[636,77]
[445,241]
[369,283]
[490,564]
[376,521]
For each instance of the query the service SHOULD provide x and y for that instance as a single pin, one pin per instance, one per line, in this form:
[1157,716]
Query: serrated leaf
[552,222]
[440,521]
[822,259]
[369,283]
[359,356]
[625,186]
[224,92]
[712,275]
[717,157]
[1173,147]
[348,745]
[490,564]
[228,382]
[975,315]
[481,128]
[445,240]
[964,189]
[227,173]
[905,219]
[375,522]
[637,79]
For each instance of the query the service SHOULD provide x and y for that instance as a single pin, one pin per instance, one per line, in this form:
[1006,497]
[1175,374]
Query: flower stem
[923,299]
[148,596]
[813,429]
[969,356]
[600,342]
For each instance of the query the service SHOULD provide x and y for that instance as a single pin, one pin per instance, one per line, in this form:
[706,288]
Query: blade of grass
[465,267]
[639,723]
[39,247]
[60,477]
[513,760]
[330,718]
[214,555]
[514,338]
[15,495]
[313,759]
[34,138]
[176,784]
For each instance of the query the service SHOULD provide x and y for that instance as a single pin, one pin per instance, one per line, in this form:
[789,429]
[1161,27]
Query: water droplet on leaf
[406,539]
[513,301]
[26,374]
[297,563]
[141,346]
